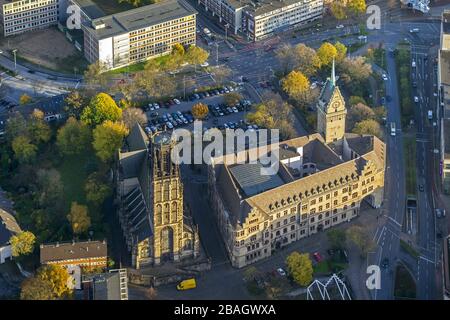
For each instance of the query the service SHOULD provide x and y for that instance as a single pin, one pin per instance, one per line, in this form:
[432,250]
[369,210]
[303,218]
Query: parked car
[385,263]
[384,76]
[176,101]
[281,272]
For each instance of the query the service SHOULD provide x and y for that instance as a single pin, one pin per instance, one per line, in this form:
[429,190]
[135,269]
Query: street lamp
[15,59]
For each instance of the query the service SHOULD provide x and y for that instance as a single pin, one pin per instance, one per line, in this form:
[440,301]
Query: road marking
[427,260]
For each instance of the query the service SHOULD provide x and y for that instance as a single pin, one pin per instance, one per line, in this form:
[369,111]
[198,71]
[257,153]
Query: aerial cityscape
[255,150]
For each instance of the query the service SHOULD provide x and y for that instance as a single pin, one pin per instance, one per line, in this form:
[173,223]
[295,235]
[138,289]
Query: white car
[384,76]
[169,125]
[235,109]
[340,26]
[281,272]
[413,64]
[416,99]
[176,101]
[156,106]
[204,64]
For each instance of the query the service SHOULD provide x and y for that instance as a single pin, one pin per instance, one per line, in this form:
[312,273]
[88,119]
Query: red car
[317,256]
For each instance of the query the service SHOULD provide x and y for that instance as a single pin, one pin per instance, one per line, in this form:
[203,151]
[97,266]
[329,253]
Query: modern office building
[26,15]
[139,34]
[259,19]
[111,285]
[319,184]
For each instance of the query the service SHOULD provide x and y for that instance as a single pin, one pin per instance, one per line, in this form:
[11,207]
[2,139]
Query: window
[312,220]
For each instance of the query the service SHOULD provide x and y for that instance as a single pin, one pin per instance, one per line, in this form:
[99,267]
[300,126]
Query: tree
[250,273]
[326,53]
[96,189]
[200,111]
[58,278]
[16,126]
[308,62]
[73,104]
[79,218]
[357,69]
[94,76]
[101,108]
[355,100]
[35,288]
[25,99]
[74,137]
[196,55]
[356,7]
[341,50]
[38,129]
[300,268]
[261,117]
[287,58]
[361,238]
[108,138]
[232,98]
[178,49]
[24,150]
[337,238]
[295,84]
[22,243]
[338,10]
[131,116]
[369,126]
[358,113]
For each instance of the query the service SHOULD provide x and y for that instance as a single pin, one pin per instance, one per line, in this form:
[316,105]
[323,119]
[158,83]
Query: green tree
[16,126]
[50,189]
[200,110]
[358,113]
[368,126]
[38,129]
[22,243]
[74,137]
[58,278]
[79,218]
[300,267]
[355,100]
[295,84]
[25,99]
[108,138]
[74,104]
[337,238]
[101,108]
[95,76]
[97,190]
[360,236]
[308,62]
[326,53]
[341,50]
[356,7]
[35,288]
[24,150]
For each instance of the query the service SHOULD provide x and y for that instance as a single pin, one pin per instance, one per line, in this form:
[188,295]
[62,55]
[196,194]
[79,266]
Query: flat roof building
[139,34]
[26,15]
[258,19]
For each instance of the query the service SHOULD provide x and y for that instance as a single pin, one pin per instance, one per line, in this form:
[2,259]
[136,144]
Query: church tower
[167,204]
[331,111]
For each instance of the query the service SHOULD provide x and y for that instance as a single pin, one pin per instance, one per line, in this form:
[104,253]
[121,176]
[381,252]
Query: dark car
[385,263]
[421,187]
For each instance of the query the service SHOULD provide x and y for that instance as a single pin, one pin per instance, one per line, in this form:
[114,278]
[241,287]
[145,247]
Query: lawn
[73,175]
[329,266]
[409,152]
[160,61]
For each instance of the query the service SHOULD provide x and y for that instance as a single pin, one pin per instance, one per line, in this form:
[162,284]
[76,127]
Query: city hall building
[321,182]
[259,19]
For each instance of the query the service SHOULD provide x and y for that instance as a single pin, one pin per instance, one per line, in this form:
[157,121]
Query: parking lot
[177,114]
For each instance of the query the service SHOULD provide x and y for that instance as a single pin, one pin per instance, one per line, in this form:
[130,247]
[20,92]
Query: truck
[187,284]
[393,130]
[430,115]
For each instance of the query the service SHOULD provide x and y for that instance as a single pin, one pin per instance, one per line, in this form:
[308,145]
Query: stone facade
[154,220]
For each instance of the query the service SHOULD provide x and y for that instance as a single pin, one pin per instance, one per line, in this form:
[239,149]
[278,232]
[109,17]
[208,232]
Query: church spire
[333,75]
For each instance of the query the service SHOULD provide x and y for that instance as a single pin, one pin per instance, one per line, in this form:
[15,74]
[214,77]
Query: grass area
[409,152]
[73,176]
[329,266]
[405,287]
[406,247]
[403,63]
[322,267]
[113,6]
[140,66]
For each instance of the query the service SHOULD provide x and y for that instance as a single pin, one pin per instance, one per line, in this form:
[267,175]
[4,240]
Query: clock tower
[331,111]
